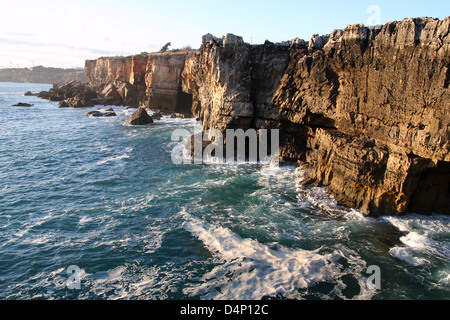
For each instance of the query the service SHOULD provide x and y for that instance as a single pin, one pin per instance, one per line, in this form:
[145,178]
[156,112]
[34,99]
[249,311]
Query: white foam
[416,240]
[176,121]
[117,158]
[419,240]
[47,238]
[408,255]
[84,220]
[111,159]
[444,278]
[153,242]
[51,280]
[355,215]
[134,204]
[259,271]
[109,276]
[35,220]
[319,197]
[127,282]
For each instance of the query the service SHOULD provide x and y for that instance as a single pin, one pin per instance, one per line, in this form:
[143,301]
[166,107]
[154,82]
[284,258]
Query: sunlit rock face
[147,80]
[364,110]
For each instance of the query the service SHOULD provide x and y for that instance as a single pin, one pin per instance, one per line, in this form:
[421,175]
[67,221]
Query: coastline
[104,195]
[346,106]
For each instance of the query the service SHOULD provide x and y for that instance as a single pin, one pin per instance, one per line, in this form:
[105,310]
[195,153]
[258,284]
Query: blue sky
[65,33]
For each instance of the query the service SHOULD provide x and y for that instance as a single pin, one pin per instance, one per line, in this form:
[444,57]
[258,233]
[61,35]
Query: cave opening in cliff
[432,194]
[447,77]
[184,102]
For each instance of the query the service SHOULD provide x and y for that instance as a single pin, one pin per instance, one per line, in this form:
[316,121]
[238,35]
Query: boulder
[111,95]
[129,94]
[63,104]
[44,95]
[80,102]
[180,115]
[97,113]
[94,114]
[157,115]
[77,95]
[22,104]
[140,117]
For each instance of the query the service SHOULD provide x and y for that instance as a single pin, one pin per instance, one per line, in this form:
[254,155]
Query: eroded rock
[98,113]
[140,117]
[76,94]
[23,104]
[63,104]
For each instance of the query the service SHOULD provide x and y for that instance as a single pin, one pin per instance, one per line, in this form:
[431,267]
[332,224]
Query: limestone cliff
[148,80]
[365,111]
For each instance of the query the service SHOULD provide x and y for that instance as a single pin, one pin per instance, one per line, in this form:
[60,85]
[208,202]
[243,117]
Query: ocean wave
[425,237]
[321,198]
[127,281]
[123,156]
[408,255]
[111,159]
[249,270]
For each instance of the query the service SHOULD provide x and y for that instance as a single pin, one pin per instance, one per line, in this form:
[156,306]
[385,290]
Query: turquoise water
[106,197]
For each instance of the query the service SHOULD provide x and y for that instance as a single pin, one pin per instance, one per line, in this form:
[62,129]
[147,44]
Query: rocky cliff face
[232,83]
[148,80]
[365,111]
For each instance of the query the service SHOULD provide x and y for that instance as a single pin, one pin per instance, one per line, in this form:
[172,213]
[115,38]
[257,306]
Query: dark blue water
[104,196]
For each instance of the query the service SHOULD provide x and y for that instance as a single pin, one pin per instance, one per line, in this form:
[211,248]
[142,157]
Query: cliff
[363,110]
[148,80]
[41,74]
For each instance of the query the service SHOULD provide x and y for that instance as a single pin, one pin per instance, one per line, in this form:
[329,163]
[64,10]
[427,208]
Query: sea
[95,209]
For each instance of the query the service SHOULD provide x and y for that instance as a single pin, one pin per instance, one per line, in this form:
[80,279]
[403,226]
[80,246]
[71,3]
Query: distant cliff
[148,80]
[41,74]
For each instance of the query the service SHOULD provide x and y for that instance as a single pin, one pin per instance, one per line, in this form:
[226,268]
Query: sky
[66,33]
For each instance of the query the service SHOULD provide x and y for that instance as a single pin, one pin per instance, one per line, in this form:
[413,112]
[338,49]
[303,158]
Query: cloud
[26,51]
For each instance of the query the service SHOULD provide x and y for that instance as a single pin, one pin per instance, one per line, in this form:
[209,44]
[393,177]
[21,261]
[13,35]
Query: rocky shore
[364,110]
